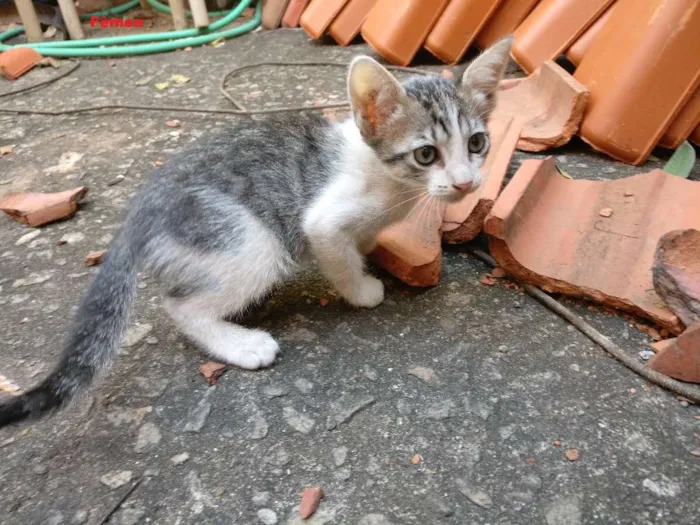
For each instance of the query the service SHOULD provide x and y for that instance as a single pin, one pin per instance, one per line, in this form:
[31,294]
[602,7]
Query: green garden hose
[145,43]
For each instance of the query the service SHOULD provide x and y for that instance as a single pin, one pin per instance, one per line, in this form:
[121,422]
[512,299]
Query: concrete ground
[451,405]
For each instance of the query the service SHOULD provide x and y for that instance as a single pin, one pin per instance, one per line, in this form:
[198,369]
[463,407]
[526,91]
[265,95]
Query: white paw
[368,293]
[255,349]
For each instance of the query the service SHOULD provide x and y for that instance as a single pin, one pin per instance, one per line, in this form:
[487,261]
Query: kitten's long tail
[94,339]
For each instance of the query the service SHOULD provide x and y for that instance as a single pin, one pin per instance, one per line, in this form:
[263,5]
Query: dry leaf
[218,42]
[606,212]
[212,371]
[6,150]
[180,79]
[37,209]
[572,454]
[173,123]
[93,258]
[160,86]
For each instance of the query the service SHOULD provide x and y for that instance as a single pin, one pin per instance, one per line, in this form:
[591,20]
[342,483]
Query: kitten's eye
[477,142]
[426,155]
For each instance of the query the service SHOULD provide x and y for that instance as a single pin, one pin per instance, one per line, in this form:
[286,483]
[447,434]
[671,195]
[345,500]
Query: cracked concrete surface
[458,404]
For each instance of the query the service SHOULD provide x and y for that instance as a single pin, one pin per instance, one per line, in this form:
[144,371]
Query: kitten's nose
[462,187]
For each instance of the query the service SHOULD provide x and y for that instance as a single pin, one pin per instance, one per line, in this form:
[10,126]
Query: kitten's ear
[480,80]
[375,94]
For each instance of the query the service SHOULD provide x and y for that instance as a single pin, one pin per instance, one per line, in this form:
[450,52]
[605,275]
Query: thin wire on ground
[687,391]
[240,109]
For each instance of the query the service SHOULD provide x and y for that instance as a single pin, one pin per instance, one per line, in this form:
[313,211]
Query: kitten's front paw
[368,293]
[255,349]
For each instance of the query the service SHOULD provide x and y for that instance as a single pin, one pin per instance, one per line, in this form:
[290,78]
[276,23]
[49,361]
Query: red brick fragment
[93,258]
[16,62]
[37,209]
[310,500]
[212,371]
[572,454]
[676,273]
[680,357]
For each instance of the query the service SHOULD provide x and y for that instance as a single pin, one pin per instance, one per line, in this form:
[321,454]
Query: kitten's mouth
[457,193]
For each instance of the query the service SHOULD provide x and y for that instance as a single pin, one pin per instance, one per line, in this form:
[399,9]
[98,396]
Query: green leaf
[682,161]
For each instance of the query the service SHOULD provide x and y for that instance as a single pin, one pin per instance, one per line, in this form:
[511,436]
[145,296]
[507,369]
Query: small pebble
[261,498]
[267,516]
[24,239]
[342,474]
[646,354]
[115,479]
[40,469]
[340,454]
[80,517]
[180,458]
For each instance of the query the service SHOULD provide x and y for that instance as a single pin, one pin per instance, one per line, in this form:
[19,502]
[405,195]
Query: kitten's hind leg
[215,286]
[200,317]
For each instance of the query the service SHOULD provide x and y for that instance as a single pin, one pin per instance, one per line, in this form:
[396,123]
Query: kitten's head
[430,132]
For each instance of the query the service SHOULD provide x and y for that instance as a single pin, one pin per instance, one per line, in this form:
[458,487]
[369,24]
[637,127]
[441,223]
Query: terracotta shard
[676,273]
[293,13]
[16,62]
[641,69]
[680,358]
[551,28]
[464,220]
[397,30]
[94,258]
[318,15]
[695,136]
[37,209]
[682,126]
[411,249]
[550,102]
[310,500]
[546,230]
[504,21]
[578,49]
[457,27]
[212,371]
[348,23]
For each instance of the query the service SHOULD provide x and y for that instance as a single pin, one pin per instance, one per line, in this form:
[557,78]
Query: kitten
[225,222]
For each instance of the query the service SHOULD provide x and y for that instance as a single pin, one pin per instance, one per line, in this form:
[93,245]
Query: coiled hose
[144,43]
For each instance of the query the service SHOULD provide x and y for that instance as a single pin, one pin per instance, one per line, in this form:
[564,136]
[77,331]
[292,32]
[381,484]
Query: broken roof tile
[546,230]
